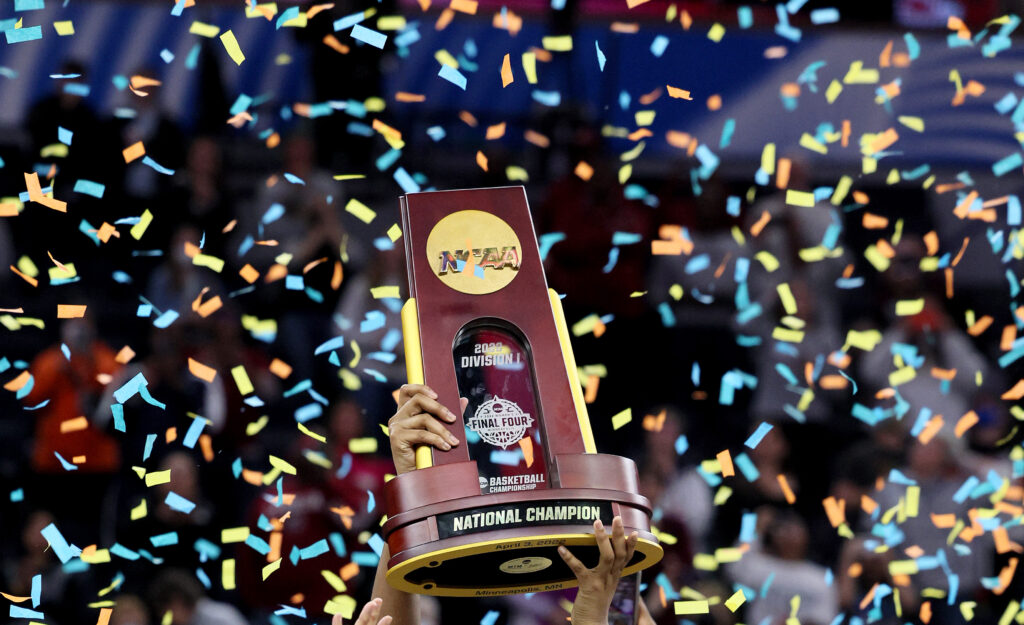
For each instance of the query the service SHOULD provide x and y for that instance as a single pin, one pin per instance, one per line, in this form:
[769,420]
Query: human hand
[368,616]
[416,423]
[597,585]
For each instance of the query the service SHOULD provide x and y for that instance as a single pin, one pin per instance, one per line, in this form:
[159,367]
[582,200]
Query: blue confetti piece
[20,35]
[747,467]
[748,526]
[613,257]
[728,129]
[913,47]
[453,76]
[155,166]
[164,540]
[329,345]
[64,135]
[117,412]
[18,495]
[601,59]
[658,45]
[344,22]
[681,445]
[292,178]
[509,458]
[374,320]
[365,558]
[732,206]
[745,17]
[29,5]
[166,319]
[166,55]
[371,501]
[376,543]
[194,430]
[37,590]
[828,15]
[64,463]
[150,439]
[755,439]
[490,618]
[547,98]
[436,133]
[294,283]
[286,16]
[308,412]
[697,264]
[896,477]
[1006,103]
[1007,164]
[387,159]
[668,318]
[121,551]
[406,181]
[88,187]
[20,612]
[625,238]
[369,36]
[179,503]
[338,544]
[318,548]
[61,548]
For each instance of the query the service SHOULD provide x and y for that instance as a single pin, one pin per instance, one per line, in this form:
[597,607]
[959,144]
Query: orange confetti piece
[133,151]
[464,6]
[73,425]
[761,222]
[404,96]
[714,102]
[386,130]
[676,92]
[650,98]
[506,72]
[835,510]
[526,444]
[980,326]
[874,222]
[281,369]
[584,170]
[201,371]
[249,273]
[786,490]
[725,462]
[782,173]
[496,131]
[882,141]
[963,207]
[592,383]
[1013,394]
[885,57]
[18,382]
[171,435]
[960,254]
[125,355]
[104,617]
[206,444]
[539,140]
[332,42]
[925,613]
[678,139]
[943,521]
[481,160]
[965,423]
[1005,576]
[868,505]
[930,429]
[70,311]
[349,571]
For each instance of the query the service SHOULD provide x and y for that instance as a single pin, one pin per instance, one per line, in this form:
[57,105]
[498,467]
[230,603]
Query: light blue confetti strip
[88,187]
[404,180]
[745,17]
[1013,211]
[258,544]
[64,463]
[613,257]
[371,501]
[370,36]
[625,238]
[20,612]
[17,495]
[149,399]
[166,55]
[179,503]
[29,5]
[150,439]
[157,167]
[37,590]
[19,35]
[436,133]
[547,98]
[166,319]
[490,618]
[601,59]
[329,345]
[658,45]
[347,21]
[374,320]
[292,178]
[338,544]
[1007,164]
[164,540]
[732,206]
[194,430]
[117,411]
[681,445]
[913,47]
[829,15]
[365,558]
[61,548]
[286,16]
[450,74]
[728,129]
[318,548]
[748,525]
[64,135]
[308,412]
[668,318]
[1006,103]
[755,439]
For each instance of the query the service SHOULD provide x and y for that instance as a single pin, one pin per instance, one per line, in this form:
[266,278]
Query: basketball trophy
[486,517]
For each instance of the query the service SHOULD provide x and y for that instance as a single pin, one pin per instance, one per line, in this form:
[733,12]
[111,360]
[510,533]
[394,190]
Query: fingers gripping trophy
[502,485]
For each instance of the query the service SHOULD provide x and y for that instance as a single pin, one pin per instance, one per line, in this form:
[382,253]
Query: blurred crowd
[665,355]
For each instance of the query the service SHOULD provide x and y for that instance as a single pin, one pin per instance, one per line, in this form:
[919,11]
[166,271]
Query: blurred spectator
[179,593]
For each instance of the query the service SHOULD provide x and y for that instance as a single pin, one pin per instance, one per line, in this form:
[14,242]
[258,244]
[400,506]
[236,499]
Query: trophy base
[449,540]
[507,565]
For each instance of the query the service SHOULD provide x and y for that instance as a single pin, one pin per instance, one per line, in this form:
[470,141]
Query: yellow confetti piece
[362,212]
[866,340]
[812,144]
[394,232]
[310,433]
[799,198]
[227,574]
[622,418]
[231,45]
[715,33]
[907,307]
[768,159]
[769,262]
[787,335]
[530,67]
[139,511]
[560,43]
[391,22]
[206,260]
[242,380]
[64,28]
[251,429]
[876,258]
[690,607]
[735,601]
[912,506]
[644,118]
[204,30]
[336,582]
[158,477]
[140,228]
[902,376]
[382,292]
[270,568]
[834,89]
[786,296]
[914,123]
[342,604]
[62,273]
[234,535]
[362,445]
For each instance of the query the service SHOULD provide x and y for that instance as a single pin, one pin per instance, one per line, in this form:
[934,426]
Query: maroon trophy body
[486,517]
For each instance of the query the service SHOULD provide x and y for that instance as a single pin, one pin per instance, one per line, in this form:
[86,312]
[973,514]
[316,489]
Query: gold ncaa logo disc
[474,252]
[525,565]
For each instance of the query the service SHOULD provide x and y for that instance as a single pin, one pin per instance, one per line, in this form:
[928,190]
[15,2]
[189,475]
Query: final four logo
[500,422]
